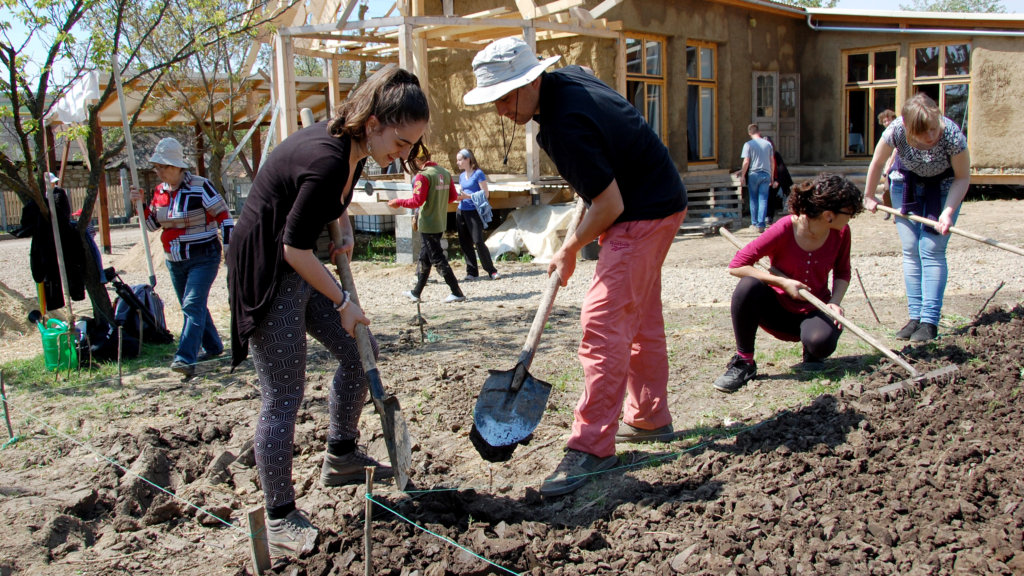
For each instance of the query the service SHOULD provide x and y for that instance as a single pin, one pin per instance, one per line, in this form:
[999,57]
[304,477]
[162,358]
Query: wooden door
[789,118]
[764,102]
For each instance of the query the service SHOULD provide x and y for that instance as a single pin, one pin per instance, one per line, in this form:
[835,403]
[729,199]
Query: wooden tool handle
[548,298]
[348,284]
[817,303]
[953,230]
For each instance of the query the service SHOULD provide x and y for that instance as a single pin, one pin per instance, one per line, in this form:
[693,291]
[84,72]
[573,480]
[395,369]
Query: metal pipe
[943,31]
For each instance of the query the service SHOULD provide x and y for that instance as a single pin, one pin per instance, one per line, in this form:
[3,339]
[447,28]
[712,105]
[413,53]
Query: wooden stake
[120,340]
[368,524]
[258,547]
[7,418]
[866,297]
[985,305]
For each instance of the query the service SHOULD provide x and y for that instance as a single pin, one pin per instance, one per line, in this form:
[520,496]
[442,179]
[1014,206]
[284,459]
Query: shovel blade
[394,429]
[504,416]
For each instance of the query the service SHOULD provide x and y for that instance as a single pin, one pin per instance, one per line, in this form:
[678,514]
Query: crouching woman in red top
[813,241]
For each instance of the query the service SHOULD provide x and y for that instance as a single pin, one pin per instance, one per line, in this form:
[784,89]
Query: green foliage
[813,3]
[979,6]
[381,248]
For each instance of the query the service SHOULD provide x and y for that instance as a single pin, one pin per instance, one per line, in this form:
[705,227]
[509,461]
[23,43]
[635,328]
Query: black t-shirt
[594,135]
[295,194]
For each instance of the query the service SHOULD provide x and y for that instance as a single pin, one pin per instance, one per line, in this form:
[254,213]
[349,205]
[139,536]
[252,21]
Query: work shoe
[737,373]
[925,332]
[470,278]
[205,356]
[630,433]
[453,298]
[292,535]
[907,331]
[350,469]
[809,365]
[183,368]
[574,470]
[412,297]
[495,276]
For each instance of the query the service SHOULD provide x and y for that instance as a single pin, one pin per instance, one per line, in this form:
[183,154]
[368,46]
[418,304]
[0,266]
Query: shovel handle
[817,303]
[349,284]
[548,298]
[953,230]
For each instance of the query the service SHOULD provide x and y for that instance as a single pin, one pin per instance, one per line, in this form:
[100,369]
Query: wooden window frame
[942,80]
[871,85]
[652,79]
[704,83]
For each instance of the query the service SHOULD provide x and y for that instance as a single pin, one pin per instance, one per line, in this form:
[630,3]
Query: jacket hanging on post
[43,253]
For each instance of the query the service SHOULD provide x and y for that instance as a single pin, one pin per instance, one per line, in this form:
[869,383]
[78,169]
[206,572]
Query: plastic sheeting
[71,109]
[538,230]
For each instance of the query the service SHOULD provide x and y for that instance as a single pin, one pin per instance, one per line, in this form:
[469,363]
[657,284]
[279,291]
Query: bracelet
[345,299]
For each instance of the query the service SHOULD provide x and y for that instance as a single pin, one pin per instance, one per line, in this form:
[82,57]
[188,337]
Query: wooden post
[368,523]
[7,418]
[97,143]
[284,85]
[532,148]
[258,547]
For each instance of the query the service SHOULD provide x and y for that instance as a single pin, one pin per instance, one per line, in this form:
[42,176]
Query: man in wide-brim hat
[605,150]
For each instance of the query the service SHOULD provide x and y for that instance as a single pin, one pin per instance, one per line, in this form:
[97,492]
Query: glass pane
[654,58]
[692,123]
[634,64]
[926,62]
[958,59]
[956,104]
[707,64]
[707,123]
[857,68]
[885,99]
[885,65]
[635,94]
[857,108]
[654,108]
[691,61]
[932,90]
[765,106]
[787,98]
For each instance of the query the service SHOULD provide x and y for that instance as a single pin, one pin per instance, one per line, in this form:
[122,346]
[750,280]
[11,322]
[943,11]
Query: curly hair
[825,191]
[394,96]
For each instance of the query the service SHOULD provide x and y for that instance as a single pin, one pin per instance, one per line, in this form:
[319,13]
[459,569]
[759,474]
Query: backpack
[98,342]
[151,316]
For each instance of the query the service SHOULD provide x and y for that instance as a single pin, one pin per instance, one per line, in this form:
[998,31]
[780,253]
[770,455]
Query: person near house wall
[468,219]
[807,246]
[931,181]
[432,190]
[758,167]
[608,153]
[782,181]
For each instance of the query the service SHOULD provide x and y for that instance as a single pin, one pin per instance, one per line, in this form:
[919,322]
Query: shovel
[512,402]
[395,430]
[916,376]
[953,230]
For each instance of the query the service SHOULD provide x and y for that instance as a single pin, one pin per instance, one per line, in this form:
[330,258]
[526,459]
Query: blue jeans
[192,280]
[924,259]
[757,184]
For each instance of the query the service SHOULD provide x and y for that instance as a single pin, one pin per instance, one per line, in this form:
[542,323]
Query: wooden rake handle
[953,230]
[349,285]
[817,303]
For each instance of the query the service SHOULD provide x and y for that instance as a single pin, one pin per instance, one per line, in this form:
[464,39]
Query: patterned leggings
[278,347]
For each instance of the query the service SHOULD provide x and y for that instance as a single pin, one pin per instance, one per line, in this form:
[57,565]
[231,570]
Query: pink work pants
[623,347]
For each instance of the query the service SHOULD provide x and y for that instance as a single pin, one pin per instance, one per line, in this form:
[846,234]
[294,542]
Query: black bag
[139,306]
[98,342]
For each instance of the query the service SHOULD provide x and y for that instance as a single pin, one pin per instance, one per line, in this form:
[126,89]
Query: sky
[1012,6]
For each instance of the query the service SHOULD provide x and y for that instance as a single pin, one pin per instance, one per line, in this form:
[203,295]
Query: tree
[814,3]
[986,6]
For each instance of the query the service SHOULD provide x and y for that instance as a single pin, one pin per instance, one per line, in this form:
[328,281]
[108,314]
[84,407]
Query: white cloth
[539,230]
[71,109]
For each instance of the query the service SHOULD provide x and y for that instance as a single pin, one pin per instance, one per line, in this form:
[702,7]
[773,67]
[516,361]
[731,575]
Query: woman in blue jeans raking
[929,177]
[190,213]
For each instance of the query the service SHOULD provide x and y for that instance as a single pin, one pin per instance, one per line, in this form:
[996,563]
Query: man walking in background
[757,170]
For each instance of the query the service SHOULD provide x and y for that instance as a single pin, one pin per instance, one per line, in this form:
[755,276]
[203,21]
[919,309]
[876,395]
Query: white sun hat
[168,151]
[503,66]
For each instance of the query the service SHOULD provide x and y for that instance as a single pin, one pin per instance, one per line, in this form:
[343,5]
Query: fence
[11,206]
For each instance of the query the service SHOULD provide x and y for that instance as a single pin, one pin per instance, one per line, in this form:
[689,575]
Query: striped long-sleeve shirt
[189,215]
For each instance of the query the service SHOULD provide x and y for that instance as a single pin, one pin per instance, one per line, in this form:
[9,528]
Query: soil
[846,471]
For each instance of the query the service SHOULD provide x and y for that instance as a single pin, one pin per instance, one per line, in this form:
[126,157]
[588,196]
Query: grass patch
[375,248]
[31,373]
[525,257]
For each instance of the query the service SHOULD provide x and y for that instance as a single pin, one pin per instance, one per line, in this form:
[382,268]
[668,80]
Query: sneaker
[350,469]
[412,297]
[183,368]
[495,276]
[574,470]
[630,433]
[925,332]
[737,373]
[755,228]
[470,278]
[453,298]
[907,331]
[760,229]
[205,356]
[292,535]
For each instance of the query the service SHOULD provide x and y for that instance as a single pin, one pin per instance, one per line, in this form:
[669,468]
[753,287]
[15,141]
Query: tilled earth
[844,471]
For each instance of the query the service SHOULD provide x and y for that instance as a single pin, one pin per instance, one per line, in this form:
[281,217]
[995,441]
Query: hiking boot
[630,433]
[574,470]
[737,373]
[292,535]
[809,364]
[412,297]
[350,469]
[907,331]
[183,368]
[453,298]
[925,332]
[495,276]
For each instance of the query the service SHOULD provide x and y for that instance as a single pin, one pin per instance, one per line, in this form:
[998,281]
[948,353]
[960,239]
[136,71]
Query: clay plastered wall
[996,120]
[771,44]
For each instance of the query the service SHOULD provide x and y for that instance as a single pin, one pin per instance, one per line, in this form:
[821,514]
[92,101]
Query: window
[645,79]
[871,78]
[701,102]
[944,72]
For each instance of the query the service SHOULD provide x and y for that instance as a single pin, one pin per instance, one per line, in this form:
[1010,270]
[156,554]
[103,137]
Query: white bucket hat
[503,66]
[168,151]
